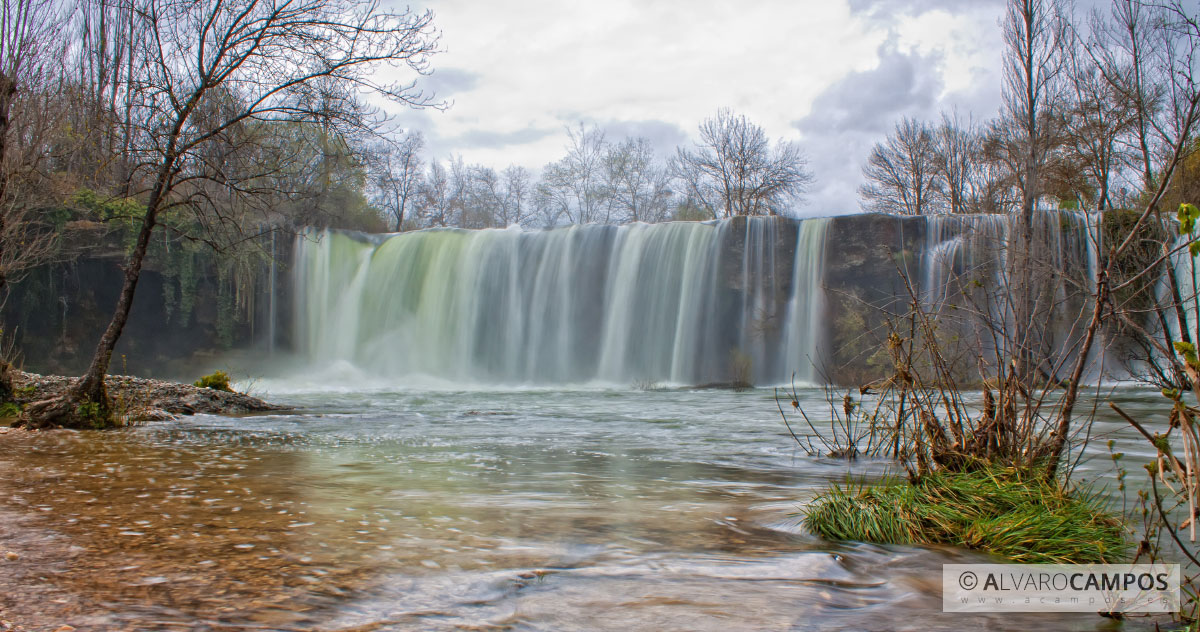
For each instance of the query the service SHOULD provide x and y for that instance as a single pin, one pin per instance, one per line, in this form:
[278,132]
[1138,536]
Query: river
[377,508]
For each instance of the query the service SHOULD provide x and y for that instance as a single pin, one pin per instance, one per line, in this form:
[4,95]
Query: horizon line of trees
[733,170]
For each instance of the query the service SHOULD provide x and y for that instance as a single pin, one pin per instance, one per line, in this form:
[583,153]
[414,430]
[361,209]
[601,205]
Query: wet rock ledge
[143,399]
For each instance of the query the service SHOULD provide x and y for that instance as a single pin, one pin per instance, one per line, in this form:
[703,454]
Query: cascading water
[806,309]
[682,302]
[741,300]
[964,278]
[1181,287]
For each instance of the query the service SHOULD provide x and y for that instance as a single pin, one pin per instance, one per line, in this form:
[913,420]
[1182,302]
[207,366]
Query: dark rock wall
[58,312]
[864,259]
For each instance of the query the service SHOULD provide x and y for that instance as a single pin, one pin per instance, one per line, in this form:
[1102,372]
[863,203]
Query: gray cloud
[939,54]
[445,82]
[440,146]
[871,101]
[486,138]
[663,136]
[853,114]
[882,10]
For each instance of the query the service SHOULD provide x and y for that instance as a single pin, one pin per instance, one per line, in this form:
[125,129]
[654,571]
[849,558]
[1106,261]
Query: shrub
[218,381]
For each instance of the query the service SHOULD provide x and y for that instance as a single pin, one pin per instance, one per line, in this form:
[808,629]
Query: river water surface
[444,509]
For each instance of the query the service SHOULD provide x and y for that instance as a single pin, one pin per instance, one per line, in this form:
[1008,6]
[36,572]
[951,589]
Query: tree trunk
[91,386]
[8,89]
[1058,441]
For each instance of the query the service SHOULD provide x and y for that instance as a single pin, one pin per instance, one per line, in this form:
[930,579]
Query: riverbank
[143,399]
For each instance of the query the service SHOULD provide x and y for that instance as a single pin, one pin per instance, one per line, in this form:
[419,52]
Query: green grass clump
[217,381]
[1001,511]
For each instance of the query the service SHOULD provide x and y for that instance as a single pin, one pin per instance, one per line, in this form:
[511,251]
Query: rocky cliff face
[866,259]
[181,319]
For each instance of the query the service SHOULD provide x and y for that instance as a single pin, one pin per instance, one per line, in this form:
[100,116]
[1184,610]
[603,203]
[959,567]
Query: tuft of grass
[95,416]
[218,381]
[1003,511]
[10,410]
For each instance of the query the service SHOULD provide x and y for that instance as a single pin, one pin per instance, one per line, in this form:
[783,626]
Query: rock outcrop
[142,399]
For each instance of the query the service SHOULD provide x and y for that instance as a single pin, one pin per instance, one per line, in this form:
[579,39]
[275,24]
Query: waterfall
[683,303]
[675,303]
[271,316]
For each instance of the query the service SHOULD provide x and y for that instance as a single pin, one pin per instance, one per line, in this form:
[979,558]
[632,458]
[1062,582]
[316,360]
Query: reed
[1012,513]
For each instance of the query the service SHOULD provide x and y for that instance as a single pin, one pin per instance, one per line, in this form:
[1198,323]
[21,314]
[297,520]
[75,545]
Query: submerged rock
[144,399]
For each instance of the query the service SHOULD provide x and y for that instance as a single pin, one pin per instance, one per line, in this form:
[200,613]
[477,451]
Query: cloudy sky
[834,75]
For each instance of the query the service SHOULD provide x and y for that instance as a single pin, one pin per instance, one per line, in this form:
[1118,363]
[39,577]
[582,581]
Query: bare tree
[901,172]
[498,199]
[956,160]
[1175,27]
[574,186]
[214,67]
[638,189]
[1123,50]
[701,200]
[435,204]
[108,30]
[518,204]
[30,57]
[398,173]
[735,171]
[1098,118]
[1035,35]
[1148,55]
[458,199]
[1023,139]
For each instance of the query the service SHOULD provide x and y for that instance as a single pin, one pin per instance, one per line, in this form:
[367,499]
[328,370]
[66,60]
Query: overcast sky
[834,75]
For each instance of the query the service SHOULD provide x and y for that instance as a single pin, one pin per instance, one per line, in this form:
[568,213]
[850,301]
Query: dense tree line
[1099,113]
[209,120]
[733,170]
[1099,110]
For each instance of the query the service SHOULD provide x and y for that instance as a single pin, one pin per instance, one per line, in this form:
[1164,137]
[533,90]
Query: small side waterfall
[807,317]
[964,279]
[679,303]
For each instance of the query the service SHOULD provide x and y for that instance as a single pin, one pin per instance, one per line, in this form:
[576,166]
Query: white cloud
[519,72]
